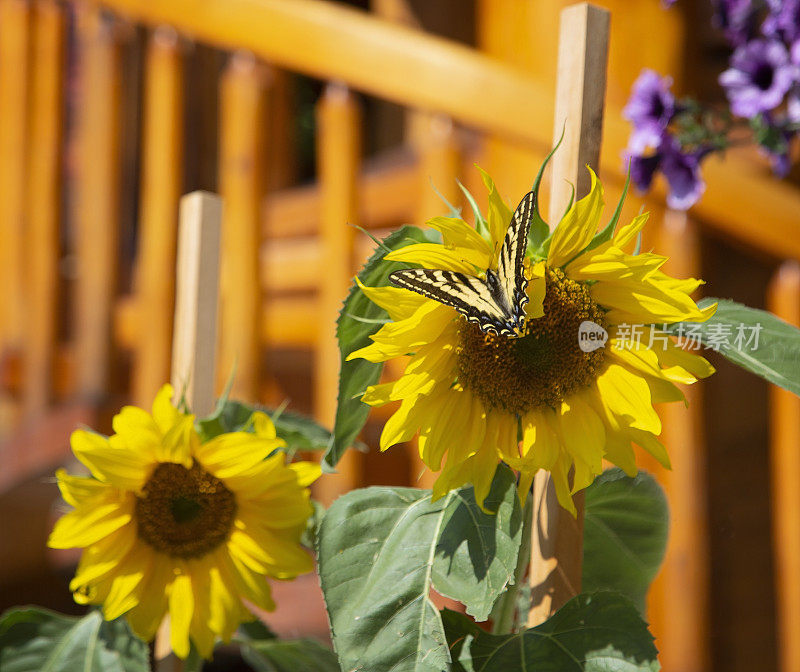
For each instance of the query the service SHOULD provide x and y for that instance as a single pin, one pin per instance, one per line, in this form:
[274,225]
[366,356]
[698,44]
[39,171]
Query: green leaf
[476,553]
[624,534]
[35,639]
[299,432]
[607,232]
[382,549]
[599,632]
[296,655]
[540,231]
[733,330]
[353,333]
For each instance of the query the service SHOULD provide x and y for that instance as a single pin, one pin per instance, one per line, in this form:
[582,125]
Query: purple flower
[650,109]
[643,170]
[759,78]
[783,21]
[681,170]
[793,100]
[736,18]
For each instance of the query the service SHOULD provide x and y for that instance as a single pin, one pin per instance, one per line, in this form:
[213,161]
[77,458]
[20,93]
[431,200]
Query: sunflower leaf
[753,339]
[353,329]
[380,552]
[624,534]
[288,655]
[597,632]
[32,638]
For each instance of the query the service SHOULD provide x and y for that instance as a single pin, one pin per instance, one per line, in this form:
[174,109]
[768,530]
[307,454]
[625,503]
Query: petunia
[650,109]
[170,525]
[760,76]
[544,400]
[783,20]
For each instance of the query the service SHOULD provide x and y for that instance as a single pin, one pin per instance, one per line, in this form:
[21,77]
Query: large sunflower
[539,401]
[172,525]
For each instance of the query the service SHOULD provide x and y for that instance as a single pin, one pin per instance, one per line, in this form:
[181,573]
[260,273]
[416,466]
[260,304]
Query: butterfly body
[495,302]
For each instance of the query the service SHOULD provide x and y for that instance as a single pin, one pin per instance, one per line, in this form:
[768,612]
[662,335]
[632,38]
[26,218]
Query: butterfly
[496,302]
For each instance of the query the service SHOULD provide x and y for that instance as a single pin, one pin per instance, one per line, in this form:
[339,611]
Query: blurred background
[307,115]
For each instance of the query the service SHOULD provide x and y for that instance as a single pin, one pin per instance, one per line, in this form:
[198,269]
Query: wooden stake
[784,301]
[195,331]
[557,537]
[196,292]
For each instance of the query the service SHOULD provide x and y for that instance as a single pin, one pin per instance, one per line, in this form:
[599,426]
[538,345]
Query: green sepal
[607,232]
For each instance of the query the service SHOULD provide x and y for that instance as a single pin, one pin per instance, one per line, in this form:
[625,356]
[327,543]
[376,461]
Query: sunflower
[172,525]
[539,401]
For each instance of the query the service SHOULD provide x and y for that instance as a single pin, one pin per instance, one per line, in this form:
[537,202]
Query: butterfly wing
[468,294]
[511,262]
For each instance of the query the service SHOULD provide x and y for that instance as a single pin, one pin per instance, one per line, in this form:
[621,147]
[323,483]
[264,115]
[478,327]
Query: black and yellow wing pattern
[496,302]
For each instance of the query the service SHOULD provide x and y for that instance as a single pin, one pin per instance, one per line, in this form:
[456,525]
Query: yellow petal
[263,426]
[433,255]
[628,233]
[583,437]
[398,302]
[456,233]
[232,453]
[88,525]
[123,468]
[179,443]
[103,557]
[165,414]
[498,218]
[128,579]
[576,230]
[652,445]
[627,395]
[306,472]
[619,451]
[146,617]
[77,490]
[181,608]
[136,430]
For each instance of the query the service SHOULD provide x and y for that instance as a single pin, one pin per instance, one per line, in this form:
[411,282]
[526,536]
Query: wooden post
[557,537]
[338,157]
[784,301]
[97,216]
[195,332]
[681,587]
[241,184]
[162,182]
[14,88]
[44,203]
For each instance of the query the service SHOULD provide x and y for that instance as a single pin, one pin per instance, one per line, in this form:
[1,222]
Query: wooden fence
[71,310]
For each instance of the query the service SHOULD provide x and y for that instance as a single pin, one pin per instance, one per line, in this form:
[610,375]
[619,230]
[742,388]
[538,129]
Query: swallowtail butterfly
[496,302]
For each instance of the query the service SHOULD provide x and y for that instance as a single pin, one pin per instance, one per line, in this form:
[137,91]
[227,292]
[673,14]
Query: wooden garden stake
[195,333]
[557,537]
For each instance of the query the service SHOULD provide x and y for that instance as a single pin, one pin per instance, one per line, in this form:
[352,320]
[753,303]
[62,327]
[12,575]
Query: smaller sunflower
[539,401]
[171,525]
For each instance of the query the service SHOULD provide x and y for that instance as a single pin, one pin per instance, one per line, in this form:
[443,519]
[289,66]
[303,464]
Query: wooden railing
[288,258]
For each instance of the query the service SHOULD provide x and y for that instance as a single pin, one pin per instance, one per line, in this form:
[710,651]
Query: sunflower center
[184,512]
[542,367]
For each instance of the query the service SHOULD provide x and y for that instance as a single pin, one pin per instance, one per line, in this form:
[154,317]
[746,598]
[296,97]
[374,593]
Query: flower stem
[505,609]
